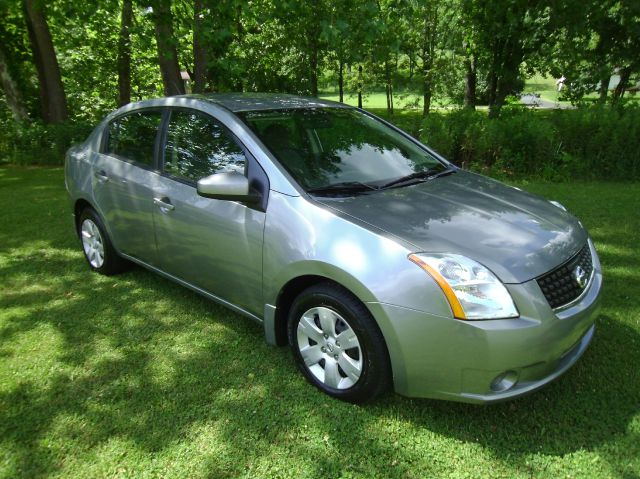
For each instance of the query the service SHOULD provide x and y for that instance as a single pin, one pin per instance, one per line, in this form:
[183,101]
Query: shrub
[586,143]
[37,143]
[603,142]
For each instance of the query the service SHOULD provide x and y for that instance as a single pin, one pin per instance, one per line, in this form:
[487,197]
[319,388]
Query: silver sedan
[376,260]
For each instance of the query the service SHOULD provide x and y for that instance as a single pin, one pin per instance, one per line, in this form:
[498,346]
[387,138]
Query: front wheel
[337,344]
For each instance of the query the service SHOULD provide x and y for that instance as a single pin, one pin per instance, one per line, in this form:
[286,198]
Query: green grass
[378,99]
[543,85]
[134,376]
[548,90]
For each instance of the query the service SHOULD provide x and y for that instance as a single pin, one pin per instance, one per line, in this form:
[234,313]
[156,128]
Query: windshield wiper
[419,176]
[344,187]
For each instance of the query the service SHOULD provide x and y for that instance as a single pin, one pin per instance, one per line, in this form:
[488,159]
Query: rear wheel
[96,245]
[337,344]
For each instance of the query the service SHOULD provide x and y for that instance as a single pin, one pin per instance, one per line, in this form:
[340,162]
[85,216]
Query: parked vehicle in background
[376,260]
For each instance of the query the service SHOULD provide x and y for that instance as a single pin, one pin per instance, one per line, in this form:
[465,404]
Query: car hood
[517,235]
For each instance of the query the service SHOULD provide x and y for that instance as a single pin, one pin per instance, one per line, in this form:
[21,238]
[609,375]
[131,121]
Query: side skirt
[204,293]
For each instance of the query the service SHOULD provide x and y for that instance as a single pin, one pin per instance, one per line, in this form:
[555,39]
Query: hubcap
[92,243]
[330,348]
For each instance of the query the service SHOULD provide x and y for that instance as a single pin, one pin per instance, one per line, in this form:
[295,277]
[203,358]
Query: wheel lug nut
[326,336]
[337,344]
[335,356]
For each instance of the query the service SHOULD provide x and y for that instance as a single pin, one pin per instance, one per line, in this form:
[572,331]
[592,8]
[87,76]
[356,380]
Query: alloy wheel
[92,243]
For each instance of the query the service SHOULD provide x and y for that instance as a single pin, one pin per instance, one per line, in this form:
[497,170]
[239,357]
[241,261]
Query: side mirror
[229,186]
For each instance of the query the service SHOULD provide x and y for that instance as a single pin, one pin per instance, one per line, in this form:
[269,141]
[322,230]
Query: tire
[319,318]
[96,245]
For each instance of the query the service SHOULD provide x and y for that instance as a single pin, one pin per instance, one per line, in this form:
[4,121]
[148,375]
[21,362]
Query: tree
[305,26]
[349,35]
[627,48]
[124,54]
[426,37]
[216,26]
[385,51]
[52,95]
[199,48]
[507,33]
[469,53]
[312,47]
[8,83]
[589,47]
[470,81]
[167,48]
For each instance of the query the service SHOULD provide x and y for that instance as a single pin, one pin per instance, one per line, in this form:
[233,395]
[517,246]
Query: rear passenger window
[199,146]
[133,136]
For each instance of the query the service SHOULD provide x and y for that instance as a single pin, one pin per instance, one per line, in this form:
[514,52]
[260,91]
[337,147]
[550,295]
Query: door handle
[102,176]
[164,204]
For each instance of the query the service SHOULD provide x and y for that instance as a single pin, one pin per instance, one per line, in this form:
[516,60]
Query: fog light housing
[504,381]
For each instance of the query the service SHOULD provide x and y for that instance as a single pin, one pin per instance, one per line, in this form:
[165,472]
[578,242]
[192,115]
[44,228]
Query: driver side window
[198,146]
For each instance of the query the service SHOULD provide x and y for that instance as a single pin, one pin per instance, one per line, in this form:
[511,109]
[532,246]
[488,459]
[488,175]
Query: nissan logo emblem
[580,275]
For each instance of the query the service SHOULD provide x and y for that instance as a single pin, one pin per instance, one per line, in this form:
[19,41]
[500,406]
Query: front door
[215,245]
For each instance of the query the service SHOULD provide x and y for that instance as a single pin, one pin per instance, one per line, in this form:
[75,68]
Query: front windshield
[321,147]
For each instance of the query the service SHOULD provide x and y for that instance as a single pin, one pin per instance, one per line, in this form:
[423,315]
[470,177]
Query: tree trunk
[470,83]
[492,89]
[625,73]
[341,80]
[427,89]
[199,50]
[359,86]
[505,85]
[412,62]
[426,54]
[11,92]
[505,82]
[167,52]
[388,88]
[604,88]
[240,34]
[124,54]
[426,98]
[386,94]
[498,100]
[313,63]
[53,99]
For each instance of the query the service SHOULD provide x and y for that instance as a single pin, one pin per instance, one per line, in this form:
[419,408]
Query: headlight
[472,290]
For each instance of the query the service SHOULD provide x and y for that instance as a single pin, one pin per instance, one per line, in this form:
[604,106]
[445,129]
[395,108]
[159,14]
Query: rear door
[124,175]
[215,245]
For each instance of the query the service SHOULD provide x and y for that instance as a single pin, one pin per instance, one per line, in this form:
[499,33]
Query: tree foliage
[63,57]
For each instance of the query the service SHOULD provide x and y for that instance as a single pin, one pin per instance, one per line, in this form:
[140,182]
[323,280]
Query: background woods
[64,64]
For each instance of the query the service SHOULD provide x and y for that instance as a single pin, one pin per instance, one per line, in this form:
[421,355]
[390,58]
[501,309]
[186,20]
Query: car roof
[238,102]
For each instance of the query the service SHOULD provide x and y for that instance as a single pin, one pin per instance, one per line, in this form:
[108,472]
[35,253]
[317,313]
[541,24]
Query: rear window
[133,136]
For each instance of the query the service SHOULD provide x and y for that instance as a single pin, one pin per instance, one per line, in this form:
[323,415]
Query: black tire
[111,262]
[331,300]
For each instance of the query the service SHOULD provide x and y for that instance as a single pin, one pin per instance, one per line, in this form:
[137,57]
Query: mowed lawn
[378,100]
[134,376]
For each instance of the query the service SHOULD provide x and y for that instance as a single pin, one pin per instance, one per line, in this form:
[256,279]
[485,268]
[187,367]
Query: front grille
[560,286]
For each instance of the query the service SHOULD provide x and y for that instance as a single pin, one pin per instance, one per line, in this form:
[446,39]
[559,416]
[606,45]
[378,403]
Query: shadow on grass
[139,359]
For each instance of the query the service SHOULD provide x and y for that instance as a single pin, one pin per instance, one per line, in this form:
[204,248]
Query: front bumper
[445,358]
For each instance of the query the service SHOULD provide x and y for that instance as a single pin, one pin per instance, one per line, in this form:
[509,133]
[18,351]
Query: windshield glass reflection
[326,146]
